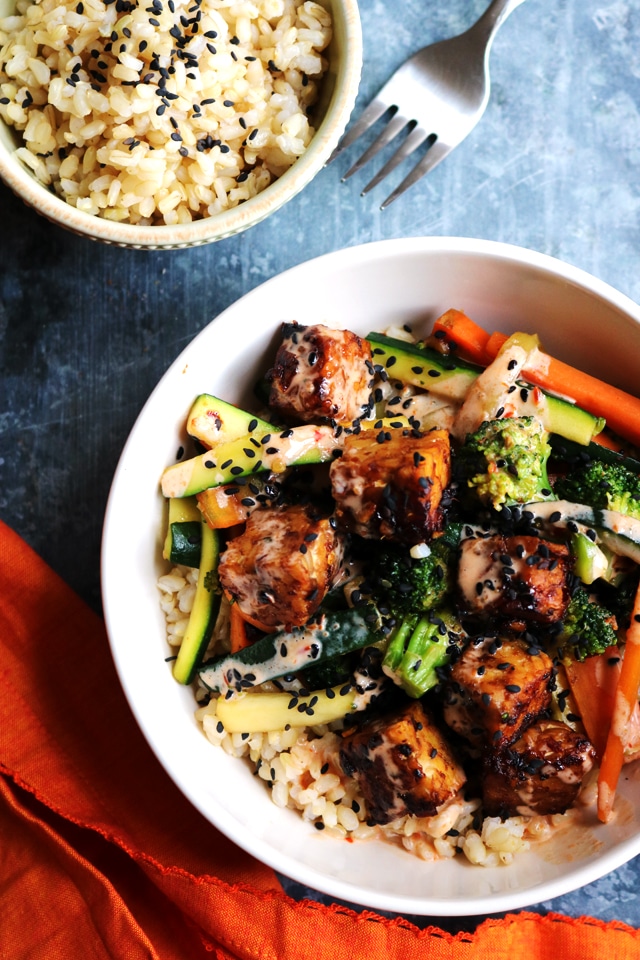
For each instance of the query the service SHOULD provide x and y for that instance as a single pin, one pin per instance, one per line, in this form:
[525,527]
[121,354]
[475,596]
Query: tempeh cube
[320,373]
[282,565]
[541,773]
[504,688]
[402,763]
[389,484]
[516,578]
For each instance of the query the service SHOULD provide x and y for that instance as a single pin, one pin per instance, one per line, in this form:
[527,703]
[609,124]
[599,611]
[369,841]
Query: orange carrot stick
[593,683]
[237,631]
[220,510]
[625,703]
[620,410]
[264,627]
[494,344]
[465,333]
[606,441]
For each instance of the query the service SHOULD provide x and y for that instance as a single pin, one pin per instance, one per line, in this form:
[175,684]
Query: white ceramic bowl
[581,320]
[330,118]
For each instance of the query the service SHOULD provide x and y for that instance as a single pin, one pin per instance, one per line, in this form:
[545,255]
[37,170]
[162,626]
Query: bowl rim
[228,223]
[279,860]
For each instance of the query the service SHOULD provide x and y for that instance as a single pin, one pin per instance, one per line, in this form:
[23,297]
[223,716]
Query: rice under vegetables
[302,769]
[163,112]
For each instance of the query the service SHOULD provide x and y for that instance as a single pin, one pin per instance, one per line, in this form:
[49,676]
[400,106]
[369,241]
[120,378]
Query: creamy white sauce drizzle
[478,566]
[302,648]
[490,391]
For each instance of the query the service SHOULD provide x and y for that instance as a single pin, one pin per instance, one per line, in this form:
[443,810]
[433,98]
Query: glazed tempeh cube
[541,773]
[517,578]
[403,765]
[504,689]
[281,567]
[320,373]
[389,484]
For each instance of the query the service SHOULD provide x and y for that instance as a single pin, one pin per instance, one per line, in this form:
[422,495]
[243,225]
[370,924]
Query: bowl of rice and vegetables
[398,580]
[172,123]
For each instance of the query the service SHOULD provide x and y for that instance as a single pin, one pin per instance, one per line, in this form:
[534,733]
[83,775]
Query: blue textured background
[87,330]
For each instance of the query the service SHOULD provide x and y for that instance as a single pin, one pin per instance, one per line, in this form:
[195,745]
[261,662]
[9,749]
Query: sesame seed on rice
[81,84]
[300,768]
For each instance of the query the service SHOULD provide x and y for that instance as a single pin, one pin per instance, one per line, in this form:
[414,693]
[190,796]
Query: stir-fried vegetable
[621,410]
[392,563]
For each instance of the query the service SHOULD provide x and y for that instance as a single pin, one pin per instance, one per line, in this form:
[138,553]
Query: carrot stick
[220,510]
[237,631]
[620,410]
[467,335]
[264,627]
[494,344]
[593,683]
[606,441]
[625,703]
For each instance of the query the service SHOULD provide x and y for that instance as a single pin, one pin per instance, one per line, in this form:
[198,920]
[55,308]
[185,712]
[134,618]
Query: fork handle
[493,18]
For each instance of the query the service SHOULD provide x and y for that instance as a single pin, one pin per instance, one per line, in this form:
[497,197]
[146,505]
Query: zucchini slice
[183,542]
[213,421]
[423,367]
[256,453]
[328,634]
[205,609]
[451,378]
[261,712]
[619,533]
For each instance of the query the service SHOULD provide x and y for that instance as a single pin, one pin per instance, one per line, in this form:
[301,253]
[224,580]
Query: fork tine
[375,109]
[434,155]
[396,124]
[414,139]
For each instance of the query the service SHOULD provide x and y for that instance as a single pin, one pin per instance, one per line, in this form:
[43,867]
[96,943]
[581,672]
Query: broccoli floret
[505,461]
[608,486]
[418,646]
[587,628]
[403,584]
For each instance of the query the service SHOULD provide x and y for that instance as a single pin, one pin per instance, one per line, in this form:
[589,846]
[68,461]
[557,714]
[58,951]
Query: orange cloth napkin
[102,857]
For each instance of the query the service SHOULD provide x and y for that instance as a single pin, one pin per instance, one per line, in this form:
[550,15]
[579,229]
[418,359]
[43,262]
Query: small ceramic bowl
[329,118]
[581,321]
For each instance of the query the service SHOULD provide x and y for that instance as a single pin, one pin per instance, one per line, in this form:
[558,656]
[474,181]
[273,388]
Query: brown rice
[300,765]
[163,112]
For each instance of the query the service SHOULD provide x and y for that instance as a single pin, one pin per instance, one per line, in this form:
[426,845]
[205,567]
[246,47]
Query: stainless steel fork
[435,99]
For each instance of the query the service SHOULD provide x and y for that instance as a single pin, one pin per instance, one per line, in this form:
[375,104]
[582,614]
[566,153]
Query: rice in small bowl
[174,123]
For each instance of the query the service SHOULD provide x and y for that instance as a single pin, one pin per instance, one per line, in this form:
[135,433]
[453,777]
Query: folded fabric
[102,857]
